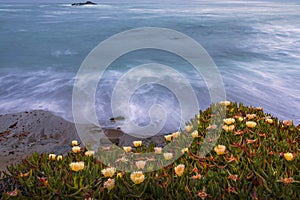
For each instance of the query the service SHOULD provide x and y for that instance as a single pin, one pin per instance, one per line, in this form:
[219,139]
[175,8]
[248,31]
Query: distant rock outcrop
[82,4]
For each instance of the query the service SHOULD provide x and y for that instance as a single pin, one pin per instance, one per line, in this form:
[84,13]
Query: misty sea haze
[254,44]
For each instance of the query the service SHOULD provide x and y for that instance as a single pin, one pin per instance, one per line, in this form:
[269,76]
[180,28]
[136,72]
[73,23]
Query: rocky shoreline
[24,133]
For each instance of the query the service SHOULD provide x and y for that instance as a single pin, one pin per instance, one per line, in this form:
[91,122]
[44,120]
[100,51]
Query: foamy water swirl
[106,52]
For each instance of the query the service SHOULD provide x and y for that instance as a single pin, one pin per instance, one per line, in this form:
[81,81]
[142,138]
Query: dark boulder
[82,4]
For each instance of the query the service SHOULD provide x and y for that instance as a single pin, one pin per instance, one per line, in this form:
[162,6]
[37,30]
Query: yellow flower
[228,128]
[184,150]
[250,116]
[229,121]
[168,156]
[76,149]
[137,177]
[240,119]
[140,164]
[195,134]
[168,138]
[109,184]
[288,156]
[220,149]
[176,134]
[77,166]
[157,150]
[74,143]
[89,153]
[108,172]
[269,121]
[179,170]
[119,175]
[59,157]
[137,143]
[251,124]
[198,116]
[127,149]
[225,103]
[52,156]
[188,128]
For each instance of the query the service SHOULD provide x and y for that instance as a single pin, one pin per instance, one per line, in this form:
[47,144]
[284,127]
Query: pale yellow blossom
[220,149]
[127,149]
[140,164]
[77,166]
[168,156]
[250,116]
[76,149]
[240,119]
[188,128]
[176,134]
[157,150]
[137,177]
[137,143]
[228,128]
[168,138]
[179,170]
[288,156]
[229,121]
[108,172]
[195,134]
[251,124]
[59,157]
[52,156]
[225,103]
[74,143]
[269,121]
[89,153]
[109,184]
[184,150]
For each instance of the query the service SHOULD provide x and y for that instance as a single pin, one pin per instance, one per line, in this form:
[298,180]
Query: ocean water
[254,44]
